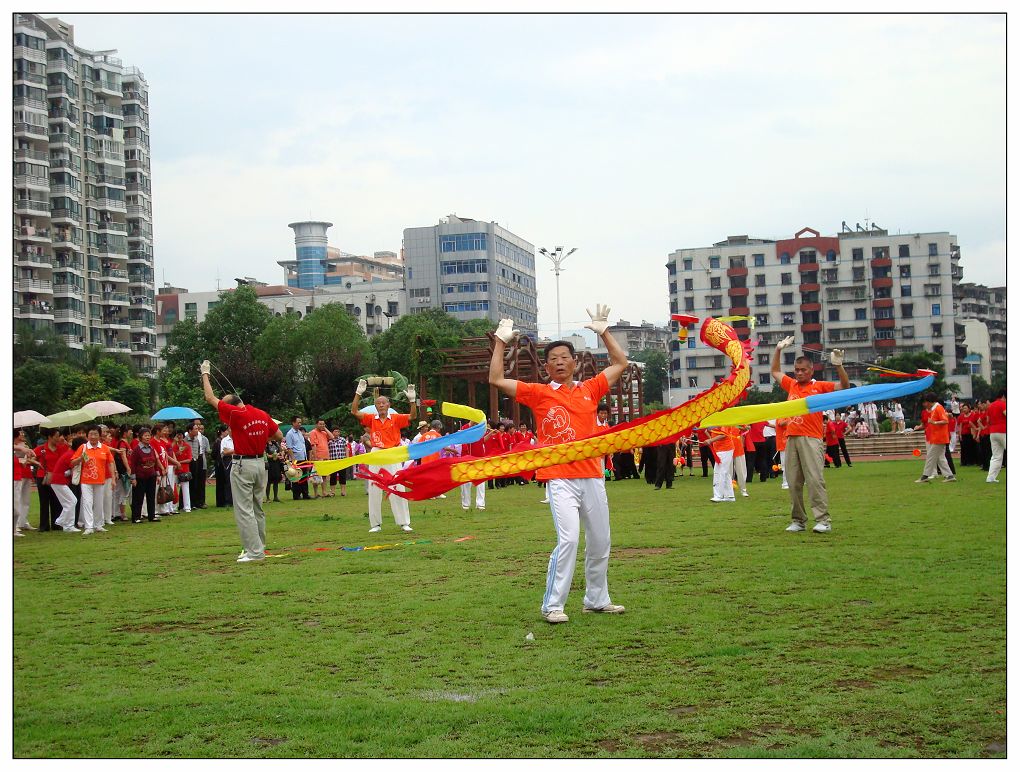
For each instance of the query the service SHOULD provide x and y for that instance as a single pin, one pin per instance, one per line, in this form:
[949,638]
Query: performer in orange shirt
[936,435]
[96,462]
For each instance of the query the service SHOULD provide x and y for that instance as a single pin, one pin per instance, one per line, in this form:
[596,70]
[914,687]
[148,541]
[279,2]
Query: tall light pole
[557,256]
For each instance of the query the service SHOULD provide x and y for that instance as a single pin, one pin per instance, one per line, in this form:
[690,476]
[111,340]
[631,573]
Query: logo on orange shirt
[556,425]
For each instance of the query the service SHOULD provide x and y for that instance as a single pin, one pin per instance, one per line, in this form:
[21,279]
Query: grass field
[885,638]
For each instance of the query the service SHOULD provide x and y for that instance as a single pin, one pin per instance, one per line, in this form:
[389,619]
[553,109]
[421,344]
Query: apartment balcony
[68,290]
[61,65]
[73,341]
[31,233]
[34,285]
[110,225]
[115,324]
[32,206]
[809,288]
[808,307]
[738,292]
[739,311]
[116,346]
[68,315]
[32,54]
[134,96]
[65,216]
[807,267]
[35,156]
[30,181]
[30,130]
[741,271]
[71,116]
[141,325]
[885,324]
[811,327]
[115,275]
[29,77]
[116,299]
[881,262]
[885,343]
[144,349]
[63,139]
[883,303]
[882,283]
[39,105]
[34,260]
[112,204]
[35,311]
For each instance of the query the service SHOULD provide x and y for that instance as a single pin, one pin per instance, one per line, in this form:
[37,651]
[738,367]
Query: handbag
[164,494]
[185,477]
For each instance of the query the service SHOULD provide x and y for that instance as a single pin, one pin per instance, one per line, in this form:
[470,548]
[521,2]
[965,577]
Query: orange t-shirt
[781,434]
[384,433]
[320,443]
[564,414]
[431,434]
[723,445]
[737,441]
[809,425]
[937,435]
[94,469]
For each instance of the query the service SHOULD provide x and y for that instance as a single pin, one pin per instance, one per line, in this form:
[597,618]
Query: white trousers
[465,495]
[398,505]
[574,502]
[722,477]
[740,471]
[782,463]
[998,440]
[68,503]
[935,461]
[22,501]
[93,505]
[108,500]
[185,490]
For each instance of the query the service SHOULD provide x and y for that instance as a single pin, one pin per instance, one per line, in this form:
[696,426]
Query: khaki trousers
[248,488]
[805,460]
[935,461]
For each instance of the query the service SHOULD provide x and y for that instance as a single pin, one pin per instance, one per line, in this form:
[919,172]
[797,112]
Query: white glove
[784,343]
[505,331]
[412,395]
[599,320]
[836,356]
[362,386]
[205,367]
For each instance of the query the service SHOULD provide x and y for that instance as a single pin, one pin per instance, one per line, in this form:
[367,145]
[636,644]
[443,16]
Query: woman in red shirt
[147,467]
[182,452]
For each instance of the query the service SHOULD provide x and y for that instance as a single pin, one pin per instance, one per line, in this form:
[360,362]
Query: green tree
[113,373]
[333,350]
[228,336]
[34,345]
[89,389]
[412,346]
[756,396]
[179,389]
[184,349]
[38,386]
[655,376]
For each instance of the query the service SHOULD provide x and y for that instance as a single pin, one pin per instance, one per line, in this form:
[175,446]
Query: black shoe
[155,519]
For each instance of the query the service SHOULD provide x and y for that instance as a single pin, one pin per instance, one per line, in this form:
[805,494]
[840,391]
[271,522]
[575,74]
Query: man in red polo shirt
[936,435]
[564,410]
[384,431]
[805,454]
[250,429]
[996,417]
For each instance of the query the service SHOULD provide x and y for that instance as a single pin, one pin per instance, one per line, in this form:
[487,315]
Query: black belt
[237,455]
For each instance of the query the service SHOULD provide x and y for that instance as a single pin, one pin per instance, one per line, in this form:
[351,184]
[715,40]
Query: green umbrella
[82,415]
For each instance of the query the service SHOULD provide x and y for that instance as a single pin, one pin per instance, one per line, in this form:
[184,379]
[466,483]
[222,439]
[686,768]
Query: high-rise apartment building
[866,291]
[472,270]
[986,305]
[83,258]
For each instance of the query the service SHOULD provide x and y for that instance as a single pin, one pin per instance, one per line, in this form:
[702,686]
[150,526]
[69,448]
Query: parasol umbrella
[175,414]
[69,418]
[107,407]
[25,418]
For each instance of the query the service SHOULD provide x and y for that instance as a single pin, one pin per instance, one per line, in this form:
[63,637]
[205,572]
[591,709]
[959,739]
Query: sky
[625,136]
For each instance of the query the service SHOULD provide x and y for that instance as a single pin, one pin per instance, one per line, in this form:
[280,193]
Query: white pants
[185,489]
[119,496]
[998,441]
[935,461]
[68,503]
[782,463]
[93,506]
[22,501]
[398,505]
[952,443]
[722,477]
[574,502]
[108,500]
[740,471]
[465,495]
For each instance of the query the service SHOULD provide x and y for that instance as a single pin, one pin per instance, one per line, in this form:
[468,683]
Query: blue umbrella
[175,413]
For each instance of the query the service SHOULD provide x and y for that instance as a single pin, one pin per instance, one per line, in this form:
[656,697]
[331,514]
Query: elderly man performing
[384,430]
[565,410]
[805,453]
[251,429]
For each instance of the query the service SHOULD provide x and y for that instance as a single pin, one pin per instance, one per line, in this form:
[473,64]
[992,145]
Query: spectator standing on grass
[250,431]
[964,428]
[295,440]
[936,436]
[59,467]
[804,452]
[318,439]
[984,435]
[96,463]
[997,435]
[840,427]
[182,452]
[754,449]
[146,469]
[24,458]
[739,461]
[768,459]
[896,418]
[477,449]
[831,441]
[564,410]
[274,469]
[781,424]
[719,442]
[199,445]
[48,454]
[338,450]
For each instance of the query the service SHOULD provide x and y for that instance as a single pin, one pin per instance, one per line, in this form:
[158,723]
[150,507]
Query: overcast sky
[625,136]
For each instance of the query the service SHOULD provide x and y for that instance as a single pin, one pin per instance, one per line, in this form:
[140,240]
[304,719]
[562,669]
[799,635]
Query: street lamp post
[557,256]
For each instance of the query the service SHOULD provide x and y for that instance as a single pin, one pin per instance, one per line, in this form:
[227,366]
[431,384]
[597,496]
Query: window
[907,310]
[830,256]
[714,301]
[692,381]
[688,304]
[937,349]
[759,280]
[761,300]
[933,250]
[191,310]
[810,317]
[904,250]
[877,252]
[884,335]
[808,256]
[738,281]
[688,263]
[392,308]
[737,261]
[787,299]
[936,330]
[859,274]
[883,313]
[936,309]
[786,278]
[834,315]
[715,283]
[860,313]
[784,259]
[692,341]
[932,290]
[908,331]
[762,320]
[830,276]
[904,271]
[905,290]
[857,254]
[789,358]
[764,378]
[463,242]
[449,267]
[758,260]
[688,285]
[883,292]
[763,359]
[713,261]
[933,270]
[692,363]
[788,317]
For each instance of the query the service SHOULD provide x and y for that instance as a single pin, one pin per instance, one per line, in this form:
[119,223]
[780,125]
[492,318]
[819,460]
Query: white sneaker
[375,529]
[610,608]
[794,527]
[716,500]
[744,493]
[29,527]
[441,496]
[922,479]
[87,531]
[18,533]
[406,528]
[466,509]
[991,481]
[951,478]
[544,501]
[72,529]
[784,487]
[821,528]
[555,617]
[100,529]
[248,559]
[482,509]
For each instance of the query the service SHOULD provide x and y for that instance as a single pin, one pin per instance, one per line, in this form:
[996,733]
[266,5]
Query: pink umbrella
[107,407]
